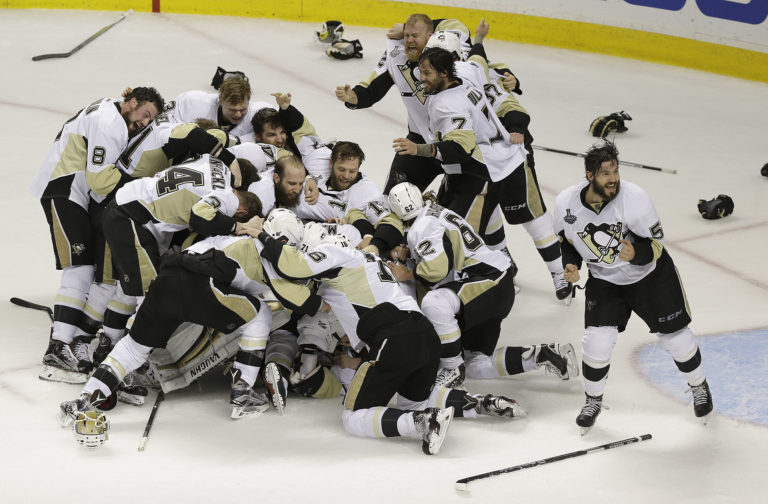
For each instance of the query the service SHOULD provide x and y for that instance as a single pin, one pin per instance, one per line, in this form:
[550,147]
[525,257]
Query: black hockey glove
[716,208]
[221,75]
[603,125]
[331,32]
[345,49]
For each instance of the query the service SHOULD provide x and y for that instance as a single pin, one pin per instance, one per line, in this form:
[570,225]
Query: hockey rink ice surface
[710,128]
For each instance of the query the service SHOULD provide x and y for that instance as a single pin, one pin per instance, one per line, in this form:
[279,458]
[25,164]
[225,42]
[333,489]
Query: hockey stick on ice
[82,44]
[626,163]
[34,306]
[462,484]
[158,400]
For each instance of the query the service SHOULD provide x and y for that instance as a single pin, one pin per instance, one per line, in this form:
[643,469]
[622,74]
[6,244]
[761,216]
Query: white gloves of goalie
[345,49]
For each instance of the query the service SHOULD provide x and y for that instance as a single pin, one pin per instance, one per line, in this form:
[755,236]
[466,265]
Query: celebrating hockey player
[80,166]
[613,226]
[471,291]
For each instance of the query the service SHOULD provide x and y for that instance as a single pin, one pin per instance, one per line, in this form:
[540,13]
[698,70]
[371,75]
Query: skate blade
[567,301]
[272,378]
[239,412]
[705,419]
[54,374]
[572,362]
[517,290]
[432,447]
[132,399]
[584,430]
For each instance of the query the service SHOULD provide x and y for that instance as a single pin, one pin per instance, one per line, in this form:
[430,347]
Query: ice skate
[276,386]
[131,390]
[563,288]
[589,412]
[102,350]
[559,360]
[702,401]
[244,400]
[450,377]
[432,424]
[61,365]
[69,410]
[499,406]
[81,348]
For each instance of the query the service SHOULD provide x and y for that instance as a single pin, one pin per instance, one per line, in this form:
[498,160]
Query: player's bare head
[346,158]
[599,153]
[438,69]
[416,33]
[289,180]
[140,106]
[205,124]
[235,90]
[268,128]
[250,206]
[234,95]
[602,169]
[249,173]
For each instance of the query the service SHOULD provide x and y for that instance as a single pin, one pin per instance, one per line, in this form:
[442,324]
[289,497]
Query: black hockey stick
[158,400]
[626,163]
[34,306]
[463,483]
[82,44]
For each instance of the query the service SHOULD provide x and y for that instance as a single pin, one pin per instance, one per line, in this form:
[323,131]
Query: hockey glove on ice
[603,125]
[345,49]
[716,208]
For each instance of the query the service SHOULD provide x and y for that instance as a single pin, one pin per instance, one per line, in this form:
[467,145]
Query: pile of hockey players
[216,231]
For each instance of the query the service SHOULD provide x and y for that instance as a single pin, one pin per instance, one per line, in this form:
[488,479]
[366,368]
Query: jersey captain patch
[602,240]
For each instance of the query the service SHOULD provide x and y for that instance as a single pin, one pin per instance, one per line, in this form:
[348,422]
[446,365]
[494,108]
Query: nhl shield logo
[570,219]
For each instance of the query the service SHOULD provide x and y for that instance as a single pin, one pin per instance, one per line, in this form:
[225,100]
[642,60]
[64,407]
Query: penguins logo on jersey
[413,82]
[78,248]
[602,240]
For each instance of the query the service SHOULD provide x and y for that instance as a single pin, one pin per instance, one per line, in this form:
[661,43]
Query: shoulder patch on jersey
[569,218]
[393,54]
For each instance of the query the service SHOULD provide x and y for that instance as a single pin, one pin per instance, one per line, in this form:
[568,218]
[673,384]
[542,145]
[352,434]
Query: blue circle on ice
[736,365]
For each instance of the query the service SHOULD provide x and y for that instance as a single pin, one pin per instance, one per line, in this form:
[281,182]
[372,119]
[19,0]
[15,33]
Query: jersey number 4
[174,177]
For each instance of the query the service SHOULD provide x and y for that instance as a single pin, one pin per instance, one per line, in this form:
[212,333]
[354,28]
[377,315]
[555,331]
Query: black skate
[432,424]
[61,365]
[702,401]
[559,360]
[244,400]
[589,412]
[499,406]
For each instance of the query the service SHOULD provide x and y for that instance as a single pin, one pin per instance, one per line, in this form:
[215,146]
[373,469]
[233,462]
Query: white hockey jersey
[352,282]
[595,236]
[87,147]
[262,156]
[166,203]
[462,114]
[447,249]
[191,105]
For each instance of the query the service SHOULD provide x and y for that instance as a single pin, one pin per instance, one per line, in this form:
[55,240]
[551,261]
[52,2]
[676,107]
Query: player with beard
[283,186]
[614,227]
[80,168]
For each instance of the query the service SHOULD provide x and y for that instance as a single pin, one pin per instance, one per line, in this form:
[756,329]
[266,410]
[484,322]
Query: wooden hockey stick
[83,43]
[626,163]
[158,400]
[34,306]
[462,484]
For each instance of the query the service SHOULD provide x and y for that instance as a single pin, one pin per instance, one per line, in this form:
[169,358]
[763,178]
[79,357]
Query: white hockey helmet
[283,224]
[338,239]
[405,200]
[314,232]
[447,40]
[90,428]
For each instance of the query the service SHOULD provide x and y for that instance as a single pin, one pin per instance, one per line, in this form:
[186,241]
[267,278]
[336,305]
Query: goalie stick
[158,400]
[462,484]
[83,43]
[34,306]
[626,163]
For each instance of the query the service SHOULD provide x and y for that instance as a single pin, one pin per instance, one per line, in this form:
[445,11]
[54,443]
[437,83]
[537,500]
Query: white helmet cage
[283,224]
[405,200]
[447,40]
[90,428]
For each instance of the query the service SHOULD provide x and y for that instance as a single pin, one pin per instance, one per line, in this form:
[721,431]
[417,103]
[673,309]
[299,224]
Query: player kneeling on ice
[215,284]
[614,227]
[445,247]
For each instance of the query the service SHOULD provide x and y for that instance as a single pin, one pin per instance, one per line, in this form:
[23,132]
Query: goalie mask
[90,428]
[405,201]
[282,224]
[446,40]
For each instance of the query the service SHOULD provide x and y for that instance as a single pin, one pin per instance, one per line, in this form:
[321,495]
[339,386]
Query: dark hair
[285,161]
[347,150]
[251,203]
[599,153]
[145,94]
[441,60]
[249,172]
[205,124]
[265,116]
